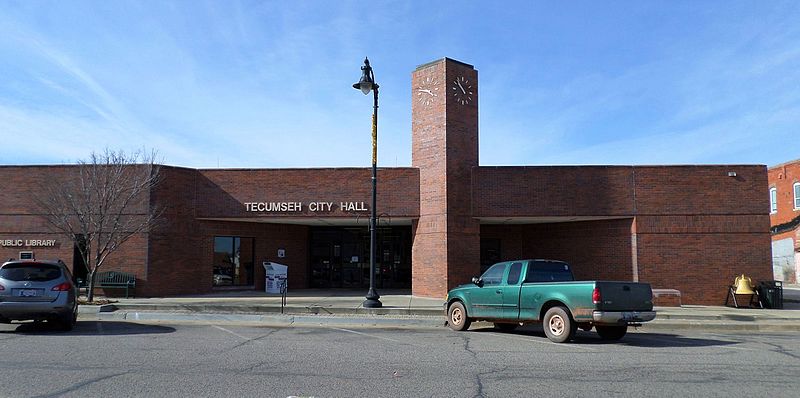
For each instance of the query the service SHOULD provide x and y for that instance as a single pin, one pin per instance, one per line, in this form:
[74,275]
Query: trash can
[276,276]
[771,293]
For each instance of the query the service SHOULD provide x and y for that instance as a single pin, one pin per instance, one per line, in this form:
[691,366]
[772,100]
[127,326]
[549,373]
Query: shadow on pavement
[632,339]
[663,340]
[86,328]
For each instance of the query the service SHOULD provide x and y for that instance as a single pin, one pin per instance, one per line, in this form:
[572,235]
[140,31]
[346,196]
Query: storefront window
[233,261]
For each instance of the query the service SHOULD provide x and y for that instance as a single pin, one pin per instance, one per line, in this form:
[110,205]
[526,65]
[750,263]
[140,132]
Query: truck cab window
[514,273]
[548,271]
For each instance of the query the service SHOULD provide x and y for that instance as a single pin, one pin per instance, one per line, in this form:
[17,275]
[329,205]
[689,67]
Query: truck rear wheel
[611,332]
[457,317]
[558,325]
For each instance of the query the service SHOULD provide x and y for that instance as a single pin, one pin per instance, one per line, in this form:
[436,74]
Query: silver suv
[38,290]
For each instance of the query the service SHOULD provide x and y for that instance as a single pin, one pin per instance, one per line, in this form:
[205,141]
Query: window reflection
[233,261]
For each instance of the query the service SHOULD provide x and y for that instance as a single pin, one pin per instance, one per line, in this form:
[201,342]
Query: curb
[718,326]
[275,320]
[723,317]
[94,309]
[413,321]
[267,309]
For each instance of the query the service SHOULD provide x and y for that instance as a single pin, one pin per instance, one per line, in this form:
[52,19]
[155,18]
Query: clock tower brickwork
[446,248]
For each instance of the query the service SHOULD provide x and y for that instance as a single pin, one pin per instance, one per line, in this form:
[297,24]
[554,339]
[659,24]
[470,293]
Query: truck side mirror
[477,281]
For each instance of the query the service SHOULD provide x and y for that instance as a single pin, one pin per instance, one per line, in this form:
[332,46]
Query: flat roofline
[8,166]
[526,220]
[417,168]
[317,221]
[622,166]
[796,161]
[305,168]
[444,59]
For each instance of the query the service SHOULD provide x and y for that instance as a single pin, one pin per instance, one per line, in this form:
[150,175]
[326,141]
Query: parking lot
[118,359]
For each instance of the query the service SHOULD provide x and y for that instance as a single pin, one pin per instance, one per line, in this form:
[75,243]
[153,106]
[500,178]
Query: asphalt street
[127,359]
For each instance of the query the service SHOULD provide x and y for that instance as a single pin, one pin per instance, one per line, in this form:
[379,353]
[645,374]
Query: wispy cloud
[267,84]
[723,96]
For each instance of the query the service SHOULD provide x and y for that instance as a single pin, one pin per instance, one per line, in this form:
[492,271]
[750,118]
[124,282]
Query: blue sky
[268,84]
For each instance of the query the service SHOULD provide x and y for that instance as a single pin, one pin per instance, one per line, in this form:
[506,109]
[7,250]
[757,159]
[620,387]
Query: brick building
[442,220]
[784,197]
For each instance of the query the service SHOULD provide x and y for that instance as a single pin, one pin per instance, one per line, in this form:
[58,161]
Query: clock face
[427,91]
[461,90]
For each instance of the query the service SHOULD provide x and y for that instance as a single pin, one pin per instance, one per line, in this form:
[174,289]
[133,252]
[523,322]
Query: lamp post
[367,84]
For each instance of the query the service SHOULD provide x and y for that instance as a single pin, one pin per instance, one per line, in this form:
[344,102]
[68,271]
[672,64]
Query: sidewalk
[313,307]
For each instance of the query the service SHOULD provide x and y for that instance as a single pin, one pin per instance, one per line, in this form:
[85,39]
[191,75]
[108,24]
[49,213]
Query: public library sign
[27,242]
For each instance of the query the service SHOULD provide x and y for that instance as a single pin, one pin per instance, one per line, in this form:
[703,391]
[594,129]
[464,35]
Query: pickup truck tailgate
[624,296]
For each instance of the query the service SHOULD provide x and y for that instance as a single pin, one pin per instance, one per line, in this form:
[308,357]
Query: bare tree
[103,204]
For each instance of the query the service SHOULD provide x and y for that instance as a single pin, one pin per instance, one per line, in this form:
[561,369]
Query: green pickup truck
[516,292]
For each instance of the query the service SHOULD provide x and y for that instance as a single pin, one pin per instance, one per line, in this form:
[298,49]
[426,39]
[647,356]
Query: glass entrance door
[340,258]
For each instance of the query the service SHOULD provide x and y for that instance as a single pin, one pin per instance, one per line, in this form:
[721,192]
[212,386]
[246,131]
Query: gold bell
[743,285]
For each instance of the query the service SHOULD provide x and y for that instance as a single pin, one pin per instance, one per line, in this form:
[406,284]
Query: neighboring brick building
[691,228]
[784,197]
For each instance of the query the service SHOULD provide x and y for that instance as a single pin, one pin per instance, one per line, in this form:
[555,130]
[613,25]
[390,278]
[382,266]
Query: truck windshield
[541,271]
[494,275]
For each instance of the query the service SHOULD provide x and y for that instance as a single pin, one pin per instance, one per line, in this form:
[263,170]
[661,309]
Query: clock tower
[444,114]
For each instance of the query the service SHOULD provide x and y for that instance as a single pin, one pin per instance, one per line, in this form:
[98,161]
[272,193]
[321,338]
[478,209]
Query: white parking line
[730,347]
[231,332]
[374,336]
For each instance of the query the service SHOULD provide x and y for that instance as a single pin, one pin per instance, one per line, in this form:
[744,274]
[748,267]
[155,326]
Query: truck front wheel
[558,325]
[457,317]
[611,332]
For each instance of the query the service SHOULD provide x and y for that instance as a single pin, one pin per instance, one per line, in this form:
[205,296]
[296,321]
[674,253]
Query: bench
[113,280]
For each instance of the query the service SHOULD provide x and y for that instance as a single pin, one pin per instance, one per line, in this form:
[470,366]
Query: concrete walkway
[400,309]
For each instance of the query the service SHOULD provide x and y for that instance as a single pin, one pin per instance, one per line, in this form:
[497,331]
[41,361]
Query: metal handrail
[283,294]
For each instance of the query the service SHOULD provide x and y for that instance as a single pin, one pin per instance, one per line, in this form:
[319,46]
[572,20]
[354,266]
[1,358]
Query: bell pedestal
[742,293]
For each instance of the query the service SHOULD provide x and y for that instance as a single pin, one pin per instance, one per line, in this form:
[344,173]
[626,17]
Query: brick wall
[785,222]
[183,264]
[783,177]
[445,149]
[694,229]
[697,228]
[701,190]
[181,251]
[22,218]
[701,266]
[596,249]
[221,193]
[552,191]
[428,153]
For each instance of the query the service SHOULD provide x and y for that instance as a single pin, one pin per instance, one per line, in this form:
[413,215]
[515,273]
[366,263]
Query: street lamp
[367,84]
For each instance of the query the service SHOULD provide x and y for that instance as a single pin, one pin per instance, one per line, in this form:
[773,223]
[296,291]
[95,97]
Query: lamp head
[367,81]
